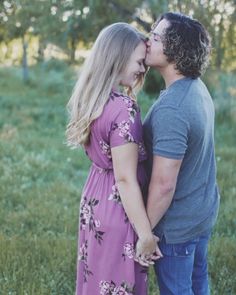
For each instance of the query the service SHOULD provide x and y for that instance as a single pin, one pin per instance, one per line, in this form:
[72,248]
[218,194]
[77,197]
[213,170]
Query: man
[183,198]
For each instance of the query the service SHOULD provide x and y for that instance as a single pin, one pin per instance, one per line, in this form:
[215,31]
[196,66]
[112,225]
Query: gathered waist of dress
[101,169]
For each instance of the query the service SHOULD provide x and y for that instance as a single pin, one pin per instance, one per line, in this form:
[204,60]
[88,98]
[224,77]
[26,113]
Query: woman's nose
[142,70]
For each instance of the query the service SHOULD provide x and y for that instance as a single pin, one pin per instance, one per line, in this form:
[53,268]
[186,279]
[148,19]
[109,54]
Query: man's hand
[147,251]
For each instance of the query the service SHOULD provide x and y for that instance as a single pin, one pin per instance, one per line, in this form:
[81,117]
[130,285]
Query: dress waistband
[100,169]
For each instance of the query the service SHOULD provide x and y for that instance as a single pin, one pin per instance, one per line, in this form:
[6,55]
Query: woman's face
[135,66]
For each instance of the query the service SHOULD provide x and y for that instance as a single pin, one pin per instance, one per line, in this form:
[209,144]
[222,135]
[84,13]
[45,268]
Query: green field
[41,181]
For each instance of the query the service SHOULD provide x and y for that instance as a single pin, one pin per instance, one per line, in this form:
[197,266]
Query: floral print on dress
[101,208]
[115,195]
[87,218]
[128,251]
[132,108]
[110,288]
[83,255]
[132,114]
[142,150]
[124,130]
[131,105]
[106,150]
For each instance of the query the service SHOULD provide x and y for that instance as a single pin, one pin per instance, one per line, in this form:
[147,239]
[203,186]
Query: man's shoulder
[181,94]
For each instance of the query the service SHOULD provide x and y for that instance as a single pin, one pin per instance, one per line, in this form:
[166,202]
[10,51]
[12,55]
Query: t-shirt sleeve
[170,133]
[126,124]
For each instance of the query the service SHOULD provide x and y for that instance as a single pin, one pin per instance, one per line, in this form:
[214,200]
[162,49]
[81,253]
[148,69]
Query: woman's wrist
[147,236]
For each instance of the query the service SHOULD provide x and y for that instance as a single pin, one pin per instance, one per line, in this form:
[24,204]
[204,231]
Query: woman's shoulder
[120,100]
[122,107]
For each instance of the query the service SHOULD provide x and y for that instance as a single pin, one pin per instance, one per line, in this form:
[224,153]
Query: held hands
[147,250]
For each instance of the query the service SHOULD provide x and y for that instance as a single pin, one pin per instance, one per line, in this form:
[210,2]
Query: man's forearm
[157,205]
[162,187]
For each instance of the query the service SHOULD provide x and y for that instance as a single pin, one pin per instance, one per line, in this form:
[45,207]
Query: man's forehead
[160,26]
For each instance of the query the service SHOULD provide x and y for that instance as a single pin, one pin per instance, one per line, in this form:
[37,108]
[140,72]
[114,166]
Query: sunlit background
[43,44]
[65,28]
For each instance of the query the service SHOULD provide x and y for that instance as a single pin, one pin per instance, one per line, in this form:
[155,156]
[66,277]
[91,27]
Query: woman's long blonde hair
[109,56]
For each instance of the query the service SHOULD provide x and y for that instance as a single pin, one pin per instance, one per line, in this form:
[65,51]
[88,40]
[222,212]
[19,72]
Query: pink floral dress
[106,237]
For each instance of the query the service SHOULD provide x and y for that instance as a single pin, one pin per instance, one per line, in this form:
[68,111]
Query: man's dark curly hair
[186,43]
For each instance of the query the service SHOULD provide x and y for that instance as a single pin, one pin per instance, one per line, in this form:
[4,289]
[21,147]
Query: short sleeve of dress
[126,123]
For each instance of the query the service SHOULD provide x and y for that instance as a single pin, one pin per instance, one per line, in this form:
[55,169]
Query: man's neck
[170,75]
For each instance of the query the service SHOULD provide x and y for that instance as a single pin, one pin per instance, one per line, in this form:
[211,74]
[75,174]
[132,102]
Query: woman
[107,123]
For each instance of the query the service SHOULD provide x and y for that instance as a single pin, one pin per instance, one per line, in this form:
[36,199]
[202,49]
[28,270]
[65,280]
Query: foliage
[70,24]
[154,82]
[224,94]
[41,181]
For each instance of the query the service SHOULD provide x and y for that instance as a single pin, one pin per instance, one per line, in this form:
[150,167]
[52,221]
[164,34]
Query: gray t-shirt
[180,125]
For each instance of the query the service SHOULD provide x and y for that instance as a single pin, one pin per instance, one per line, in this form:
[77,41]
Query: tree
[18,19]
[218,16]
[68,23]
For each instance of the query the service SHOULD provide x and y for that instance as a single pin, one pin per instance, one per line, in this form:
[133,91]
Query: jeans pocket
[184,249]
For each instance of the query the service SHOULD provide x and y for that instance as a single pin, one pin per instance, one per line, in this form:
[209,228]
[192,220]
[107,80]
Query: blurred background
[43,44]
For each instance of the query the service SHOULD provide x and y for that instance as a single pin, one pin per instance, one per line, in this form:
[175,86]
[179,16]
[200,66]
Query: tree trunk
[24,61]
[41,47]
[218,46]
[72,50]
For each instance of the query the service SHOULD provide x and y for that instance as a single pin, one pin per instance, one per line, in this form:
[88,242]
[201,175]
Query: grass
[41,182]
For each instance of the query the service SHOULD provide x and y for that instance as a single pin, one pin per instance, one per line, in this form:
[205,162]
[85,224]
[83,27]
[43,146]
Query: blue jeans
[183,269]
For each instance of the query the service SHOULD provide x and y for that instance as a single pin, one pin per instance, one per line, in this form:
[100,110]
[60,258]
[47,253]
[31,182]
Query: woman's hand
[147,250]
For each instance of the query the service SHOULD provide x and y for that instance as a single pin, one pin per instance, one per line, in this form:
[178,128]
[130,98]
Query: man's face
[155,56]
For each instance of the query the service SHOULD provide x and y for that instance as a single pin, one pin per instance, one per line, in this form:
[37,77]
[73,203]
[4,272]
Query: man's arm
[162,187]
